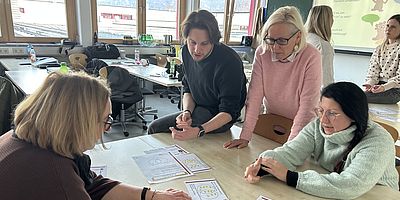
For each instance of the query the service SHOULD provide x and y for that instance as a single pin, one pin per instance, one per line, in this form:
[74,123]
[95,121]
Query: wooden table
[227,165]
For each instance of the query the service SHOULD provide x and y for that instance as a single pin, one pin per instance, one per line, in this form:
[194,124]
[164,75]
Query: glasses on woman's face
[280,41]
[108,122]
[328,113]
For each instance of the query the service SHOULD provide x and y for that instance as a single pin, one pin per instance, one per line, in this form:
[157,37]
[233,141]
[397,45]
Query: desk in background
[27,81]
[227,165]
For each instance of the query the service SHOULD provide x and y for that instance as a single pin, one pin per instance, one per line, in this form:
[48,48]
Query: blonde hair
[64,114]
[319,22]
[286,15]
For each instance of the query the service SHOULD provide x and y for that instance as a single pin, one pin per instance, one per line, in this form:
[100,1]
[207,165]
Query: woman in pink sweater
[286,75]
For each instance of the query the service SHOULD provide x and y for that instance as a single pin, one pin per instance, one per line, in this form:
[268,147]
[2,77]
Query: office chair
[395,135]
[78,61]
[273,127]
[143,111]
[9,98]
[125,92]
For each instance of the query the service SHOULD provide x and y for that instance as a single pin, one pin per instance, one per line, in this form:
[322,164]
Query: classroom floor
[164,107]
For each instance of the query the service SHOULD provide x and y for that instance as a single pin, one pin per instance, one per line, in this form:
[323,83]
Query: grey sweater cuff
[291,178]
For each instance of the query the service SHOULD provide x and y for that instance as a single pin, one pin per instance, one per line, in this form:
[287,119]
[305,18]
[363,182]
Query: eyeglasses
[280,41]
[329,114]
[108,122]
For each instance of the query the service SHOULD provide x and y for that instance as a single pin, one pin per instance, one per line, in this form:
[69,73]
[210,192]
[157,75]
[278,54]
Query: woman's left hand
[377,89]
[275,168]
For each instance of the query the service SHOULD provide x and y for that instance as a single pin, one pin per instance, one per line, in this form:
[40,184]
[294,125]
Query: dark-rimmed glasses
[329,114]
[280,41]
[108,122]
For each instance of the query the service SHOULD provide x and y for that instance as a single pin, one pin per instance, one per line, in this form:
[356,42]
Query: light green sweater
[370,162]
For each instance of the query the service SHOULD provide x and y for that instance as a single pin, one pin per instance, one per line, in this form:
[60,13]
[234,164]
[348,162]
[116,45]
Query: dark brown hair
[203,20]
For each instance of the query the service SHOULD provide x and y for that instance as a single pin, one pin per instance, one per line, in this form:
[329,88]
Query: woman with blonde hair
[286,75]
[42,157]
[319,27]
[382,84]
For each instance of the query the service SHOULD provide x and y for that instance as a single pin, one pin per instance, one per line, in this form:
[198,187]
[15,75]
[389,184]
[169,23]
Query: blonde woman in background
[286,75]
[319,28]
[42,158]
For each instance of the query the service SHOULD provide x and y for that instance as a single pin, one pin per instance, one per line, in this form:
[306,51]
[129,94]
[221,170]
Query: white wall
[351,68]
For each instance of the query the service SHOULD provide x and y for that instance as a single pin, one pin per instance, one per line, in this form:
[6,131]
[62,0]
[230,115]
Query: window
[216,7]
[161,18]
[235,23]
[116,19]
[241,20]
[29,21]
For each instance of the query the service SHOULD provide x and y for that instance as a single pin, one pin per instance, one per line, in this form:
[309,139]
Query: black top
[217,82]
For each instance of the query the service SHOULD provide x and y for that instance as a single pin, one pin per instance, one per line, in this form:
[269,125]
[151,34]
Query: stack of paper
[168,163]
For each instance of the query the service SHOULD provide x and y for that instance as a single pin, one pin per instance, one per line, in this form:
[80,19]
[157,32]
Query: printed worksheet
[161,167]
[384,111]
[263,198]
[194,163]
[173,149]
[206,189]
[99,170]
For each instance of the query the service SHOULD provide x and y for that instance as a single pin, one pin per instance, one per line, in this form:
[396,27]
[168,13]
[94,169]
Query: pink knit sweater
[289,89]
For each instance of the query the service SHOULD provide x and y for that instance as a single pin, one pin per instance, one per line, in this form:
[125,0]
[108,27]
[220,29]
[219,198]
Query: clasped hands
[270,165]
[374,88]
[184,122]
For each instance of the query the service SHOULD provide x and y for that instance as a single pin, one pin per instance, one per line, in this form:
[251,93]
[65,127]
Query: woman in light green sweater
[357,152]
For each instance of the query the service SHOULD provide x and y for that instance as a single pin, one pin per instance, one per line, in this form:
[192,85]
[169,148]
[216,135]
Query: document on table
[192,162]
[384,111]
[263,198]
[99,170]
[173,149]
[205,189]
[161,167]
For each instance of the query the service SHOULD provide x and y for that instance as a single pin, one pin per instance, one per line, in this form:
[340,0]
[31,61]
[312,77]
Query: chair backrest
[161,60]
[124,86]
[273,127]
[177,60]
[395,135]
[78,60]
[393,131]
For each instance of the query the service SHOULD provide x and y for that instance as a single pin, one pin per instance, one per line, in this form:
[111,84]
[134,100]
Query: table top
[17,64]
[28,80]
[228,166]
[152,73]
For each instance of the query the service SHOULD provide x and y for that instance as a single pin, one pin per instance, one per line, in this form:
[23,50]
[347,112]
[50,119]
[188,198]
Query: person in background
[286,75]
[357,152]
[214,83]
[42,157]
[319,28]
[382,84]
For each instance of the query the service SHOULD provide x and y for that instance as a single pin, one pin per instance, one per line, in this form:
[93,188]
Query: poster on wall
[359,25]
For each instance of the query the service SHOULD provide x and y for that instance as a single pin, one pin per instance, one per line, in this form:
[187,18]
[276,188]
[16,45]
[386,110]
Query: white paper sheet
[205,189]
[173,149]
[192,162]
[161,167]
[99,170]
[263,198]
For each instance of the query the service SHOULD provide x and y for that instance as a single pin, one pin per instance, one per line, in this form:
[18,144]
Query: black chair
[125,92]
[9,98]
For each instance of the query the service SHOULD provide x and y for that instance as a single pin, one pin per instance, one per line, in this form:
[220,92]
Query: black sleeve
[231,87]
[96,186]
[291,178]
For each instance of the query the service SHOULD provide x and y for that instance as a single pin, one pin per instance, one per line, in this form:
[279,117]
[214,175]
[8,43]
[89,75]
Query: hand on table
[187,133]
[272,166]
[171,194]
[239,143]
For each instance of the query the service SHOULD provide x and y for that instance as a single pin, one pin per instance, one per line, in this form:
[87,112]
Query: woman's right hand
[367,87]
[170,194]
[251,172]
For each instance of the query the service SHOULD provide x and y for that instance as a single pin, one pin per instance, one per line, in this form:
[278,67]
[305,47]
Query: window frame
[7,27]
[141,20]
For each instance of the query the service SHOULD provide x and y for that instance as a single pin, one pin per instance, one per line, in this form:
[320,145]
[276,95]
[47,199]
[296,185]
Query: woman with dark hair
[382,84]
[357,152]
